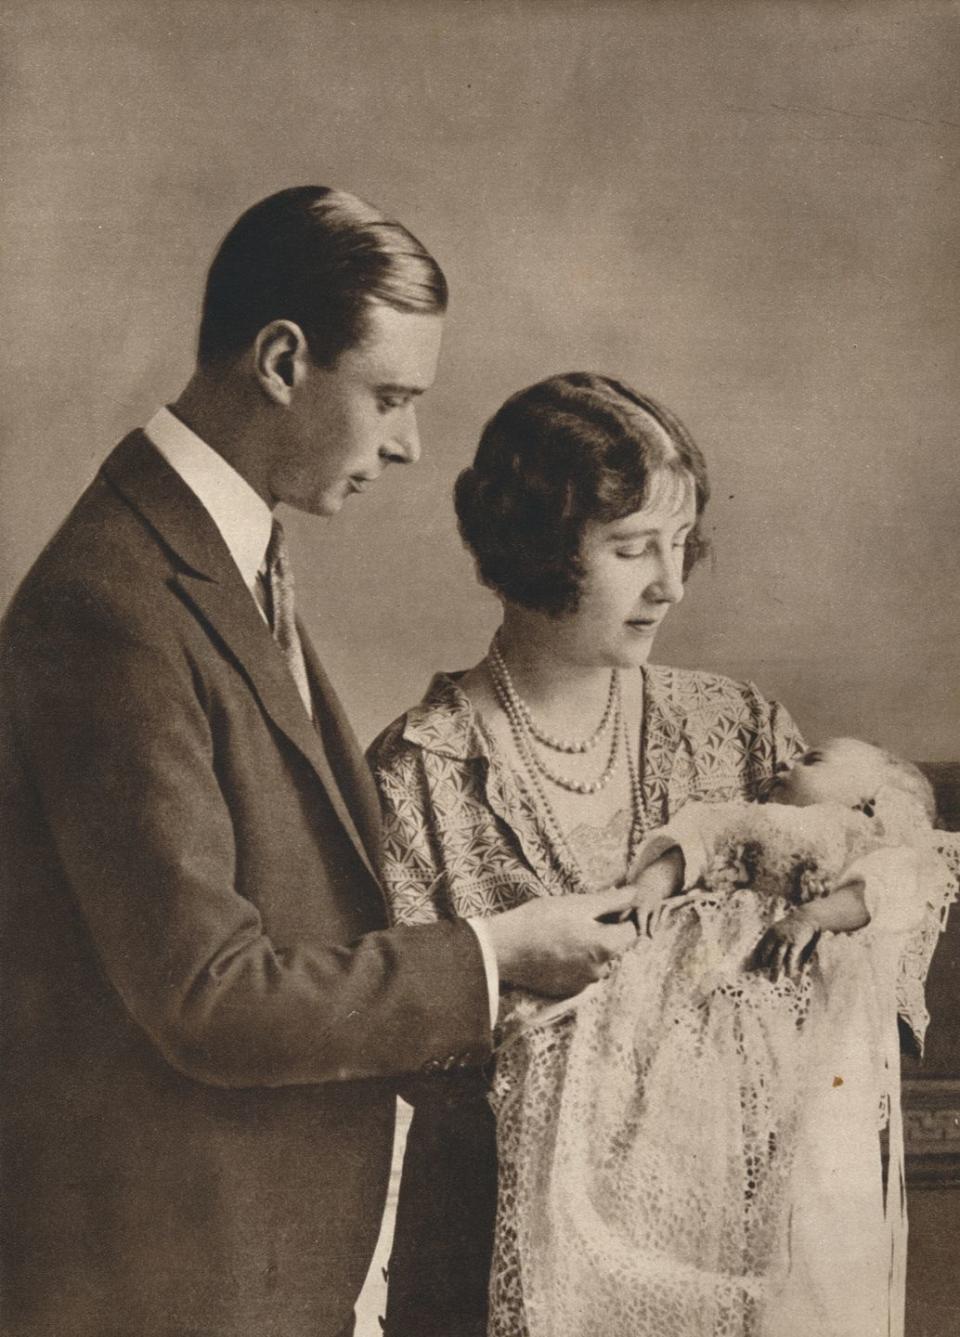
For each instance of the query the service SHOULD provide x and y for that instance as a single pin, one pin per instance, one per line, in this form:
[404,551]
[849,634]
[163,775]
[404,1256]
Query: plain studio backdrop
[748,210]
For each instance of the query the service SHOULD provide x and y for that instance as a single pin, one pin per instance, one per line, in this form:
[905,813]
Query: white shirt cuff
[490,967]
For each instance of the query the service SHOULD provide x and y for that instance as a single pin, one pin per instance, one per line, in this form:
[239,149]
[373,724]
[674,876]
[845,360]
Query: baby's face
[842,771]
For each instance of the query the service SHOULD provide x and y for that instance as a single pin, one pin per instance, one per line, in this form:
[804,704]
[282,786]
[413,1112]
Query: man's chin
[323,507]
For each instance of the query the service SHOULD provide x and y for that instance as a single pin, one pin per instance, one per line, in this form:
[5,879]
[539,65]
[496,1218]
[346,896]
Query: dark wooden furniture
[931,1106]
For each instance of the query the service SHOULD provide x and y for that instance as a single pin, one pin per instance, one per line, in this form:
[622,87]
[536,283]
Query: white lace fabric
[692,1151]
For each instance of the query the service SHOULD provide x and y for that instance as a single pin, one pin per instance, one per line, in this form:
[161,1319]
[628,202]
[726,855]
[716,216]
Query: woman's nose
[668,585]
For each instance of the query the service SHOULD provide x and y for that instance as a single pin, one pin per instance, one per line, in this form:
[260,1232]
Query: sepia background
[748,210]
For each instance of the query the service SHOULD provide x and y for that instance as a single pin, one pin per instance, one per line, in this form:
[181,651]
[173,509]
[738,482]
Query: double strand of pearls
[517,714]
[569,745]
[547,814]
[521,737]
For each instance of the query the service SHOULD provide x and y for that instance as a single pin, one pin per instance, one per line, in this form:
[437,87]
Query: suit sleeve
[112,724]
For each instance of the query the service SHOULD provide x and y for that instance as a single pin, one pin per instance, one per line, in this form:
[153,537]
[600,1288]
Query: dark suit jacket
[201,1010]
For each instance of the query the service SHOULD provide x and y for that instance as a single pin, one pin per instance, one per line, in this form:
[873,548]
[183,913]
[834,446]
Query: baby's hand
[787,946]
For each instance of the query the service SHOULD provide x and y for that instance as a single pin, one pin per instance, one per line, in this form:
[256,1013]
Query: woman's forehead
[669,491]
[671,500]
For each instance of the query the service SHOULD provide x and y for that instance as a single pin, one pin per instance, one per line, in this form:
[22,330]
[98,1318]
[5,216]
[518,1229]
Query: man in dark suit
[204,1014]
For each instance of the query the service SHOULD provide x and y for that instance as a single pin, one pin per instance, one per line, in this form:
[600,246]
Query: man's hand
[558,945]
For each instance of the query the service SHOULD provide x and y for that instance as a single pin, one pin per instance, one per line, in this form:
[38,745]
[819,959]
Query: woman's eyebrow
[624,535]
[619,535]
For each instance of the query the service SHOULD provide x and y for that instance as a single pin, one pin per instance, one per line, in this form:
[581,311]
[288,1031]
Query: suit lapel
[343,752]
[210,582]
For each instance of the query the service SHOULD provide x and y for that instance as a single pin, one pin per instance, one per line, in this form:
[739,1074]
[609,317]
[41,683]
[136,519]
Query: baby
[820,864]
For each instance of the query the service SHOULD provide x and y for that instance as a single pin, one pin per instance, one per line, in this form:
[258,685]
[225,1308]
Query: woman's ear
[280,358]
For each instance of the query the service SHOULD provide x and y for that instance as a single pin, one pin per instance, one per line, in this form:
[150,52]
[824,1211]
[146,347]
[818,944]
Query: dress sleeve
[411,872]
[788,742]
[778,740]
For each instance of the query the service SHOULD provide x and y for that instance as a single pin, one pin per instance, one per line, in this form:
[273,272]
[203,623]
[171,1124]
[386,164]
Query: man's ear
[281,359]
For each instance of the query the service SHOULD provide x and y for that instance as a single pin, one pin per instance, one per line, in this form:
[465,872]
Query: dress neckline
[447,722]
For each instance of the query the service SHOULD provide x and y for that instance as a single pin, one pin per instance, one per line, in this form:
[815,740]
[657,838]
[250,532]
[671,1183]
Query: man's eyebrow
[392,388]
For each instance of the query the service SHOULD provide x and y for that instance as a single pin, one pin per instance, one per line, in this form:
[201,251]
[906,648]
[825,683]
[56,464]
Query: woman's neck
[549,681]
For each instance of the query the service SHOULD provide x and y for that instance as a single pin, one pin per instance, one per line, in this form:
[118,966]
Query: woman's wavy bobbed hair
[569,450]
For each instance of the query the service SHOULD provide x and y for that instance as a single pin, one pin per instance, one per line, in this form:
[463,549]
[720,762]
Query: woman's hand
[787,945]
[651,889]
[650,899]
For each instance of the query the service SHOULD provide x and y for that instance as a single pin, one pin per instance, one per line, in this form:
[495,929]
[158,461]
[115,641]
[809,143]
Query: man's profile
[204,1011]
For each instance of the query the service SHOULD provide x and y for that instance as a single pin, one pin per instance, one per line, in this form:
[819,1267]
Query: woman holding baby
[546,770]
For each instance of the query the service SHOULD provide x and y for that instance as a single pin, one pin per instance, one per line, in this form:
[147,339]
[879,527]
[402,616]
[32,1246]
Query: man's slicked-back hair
[315,256]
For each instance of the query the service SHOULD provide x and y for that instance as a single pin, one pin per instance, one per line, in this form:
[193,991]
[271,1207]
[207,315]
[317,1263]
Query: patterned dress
[463,837]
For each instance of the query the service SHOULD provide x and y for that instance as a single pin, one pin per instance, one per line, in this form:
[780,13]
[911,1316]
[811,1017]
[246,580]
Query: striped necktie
[277,578]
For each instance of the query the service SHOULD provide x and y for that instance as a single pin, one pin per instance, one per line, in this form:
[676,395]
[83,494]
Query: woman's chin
[636,651]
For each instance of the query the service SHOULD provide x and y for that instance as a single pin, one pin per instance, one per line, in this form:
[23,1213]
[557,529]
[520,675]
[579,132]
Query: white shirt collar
[242,517]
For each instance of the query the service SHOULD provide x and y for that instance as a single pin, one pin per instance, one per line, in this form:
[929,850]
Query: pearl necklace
[569,745]
[532,765]
[516,714]
[636,799]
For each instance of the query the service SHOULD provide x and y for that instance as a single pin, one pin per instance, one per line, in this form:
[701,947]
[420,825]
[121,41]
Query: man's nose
[404,444]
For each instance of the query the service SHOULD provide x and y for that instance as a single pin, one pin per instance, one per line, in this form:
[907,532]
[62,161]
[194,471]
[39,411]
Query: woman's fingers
[608,905]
